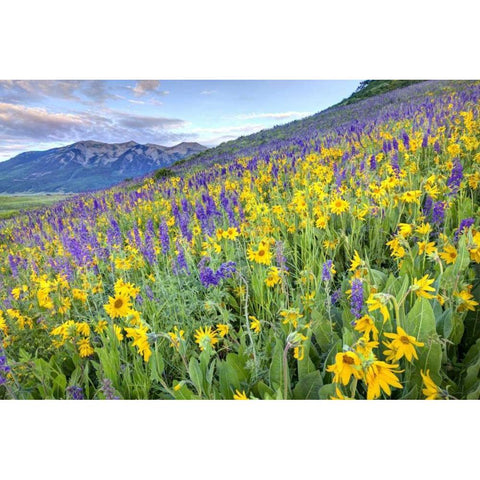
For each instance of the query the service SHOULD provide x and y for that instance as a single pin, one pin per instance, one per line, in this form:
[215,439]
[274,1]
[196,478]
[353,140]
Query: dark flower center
[348,360]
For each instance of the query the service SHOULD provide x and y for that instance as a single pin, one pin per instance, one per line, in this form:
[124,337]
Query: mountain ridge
[87,165]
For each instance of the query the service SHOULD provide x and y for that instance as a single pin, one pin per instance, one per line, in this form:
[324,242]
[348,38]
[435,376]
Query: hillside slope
[298,136]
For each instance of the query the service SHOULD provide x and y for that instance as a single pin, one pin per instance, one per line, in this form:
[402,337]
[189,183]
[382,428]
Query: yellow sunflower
[118,306]
[205,336]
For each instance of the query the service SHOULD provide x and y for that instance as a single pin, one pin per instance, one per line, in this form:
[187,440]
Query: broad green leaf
[276,367]
[228,379]
[238,364]
[327,391]
[263,391]
[157,365]
[195,374]
[463,256]
[420,320]
[305,366]
[308,387]
[184,393]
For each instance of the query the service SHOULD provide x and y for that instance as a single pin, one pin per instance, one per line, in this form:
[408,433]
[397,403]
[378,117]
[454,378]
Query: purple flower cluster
[335,297]
[327,271]
[164,238]
[114,234]
[438,212]
[148,249]
[456,177]
[108,390]
[181,260]
[210,278]
[74,392]
[464,224]
[394,163]
[4,368]
[356,299]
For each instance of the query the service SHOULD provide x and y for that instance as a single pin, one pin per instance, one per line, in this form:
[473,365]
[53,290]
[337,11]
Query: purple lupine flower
[74,392]
[181,260]
[14,261]
[210,278]
[464,224]
[138,239]
[395,144]
[425,141]
[4,368]
[148,249]
[455,177]
[149,292]
[356,298]
[427,207]
[327,271]
[207,277]
[335,297]
[438,212]
[164,238]
[406,140]
[108,390]
[436,147]
[226,270]
[373,163]
[114,234]
[185,205]
[394,163]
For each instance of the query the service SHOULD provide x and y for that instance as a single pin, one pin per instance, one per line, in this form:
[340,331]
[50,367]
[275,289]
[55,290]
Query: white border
[54,39]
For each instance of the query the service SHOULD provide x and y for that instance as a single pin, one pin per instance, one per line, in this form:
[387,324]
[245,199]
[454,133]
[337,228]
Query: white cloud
[208,92]
[217,135]
[144,87]
[24,128]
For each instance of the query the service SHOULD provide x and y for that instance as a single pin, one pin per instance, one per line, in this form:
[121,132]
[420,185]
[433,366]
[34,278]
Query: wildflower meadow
[338,261]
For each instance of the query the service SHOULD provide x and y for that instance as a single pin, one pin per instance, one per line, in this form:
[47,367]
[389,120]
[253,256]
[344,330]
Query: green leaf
[195,373]
[420,320]
[228,379]
[405,286]
[157,365]
[184,393]
[305,366]
[327,391]
[322,330]
[263,391]
[463,256]
[59,385]
[276,367]
[308,387]
[238,364]
[379,279]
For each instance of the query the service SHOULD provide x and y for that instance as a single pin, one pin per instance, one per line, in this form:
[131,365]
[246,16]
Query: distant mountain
[86,166]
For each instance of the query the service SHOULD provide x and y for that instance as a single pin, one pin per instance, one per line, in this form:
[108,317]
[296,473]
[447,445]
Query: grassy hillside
[377,99]
[11,205]
[370,88]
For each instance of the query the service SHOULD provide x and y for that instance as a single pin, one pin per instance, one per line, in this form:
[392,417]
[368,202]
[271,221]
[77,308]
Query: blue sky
[42,114]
